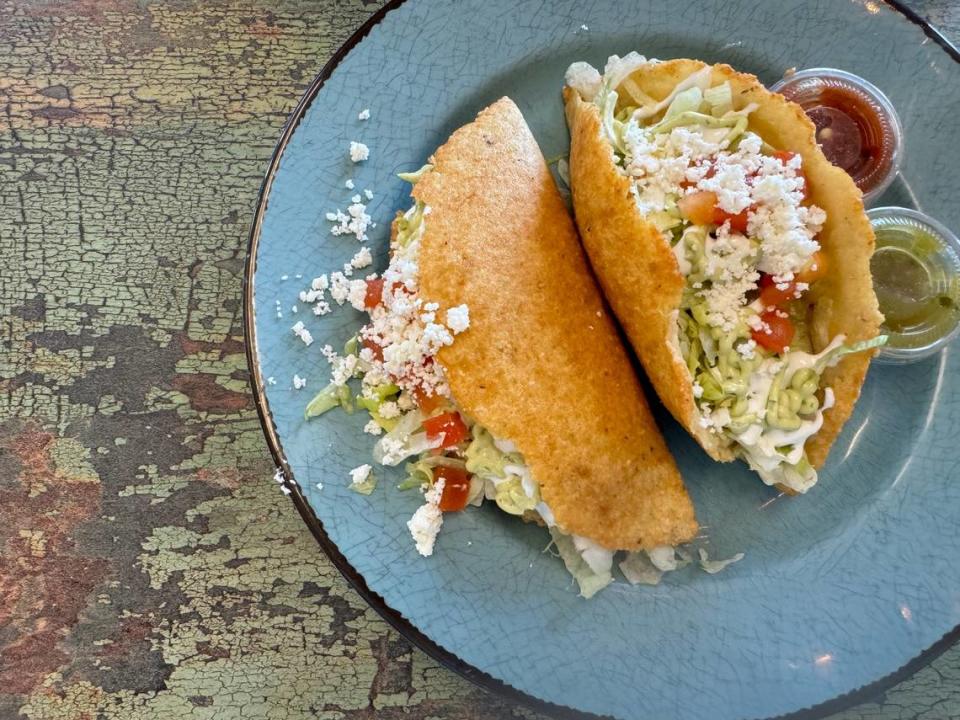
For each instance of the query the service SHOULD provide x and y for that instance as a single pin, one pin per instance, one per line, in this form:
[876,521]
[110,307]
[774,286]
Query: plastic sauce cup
[857,126]
[916,276]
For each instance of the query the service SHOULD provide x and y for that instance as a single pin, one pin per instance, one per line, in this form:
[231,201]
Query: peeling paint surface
[149,566]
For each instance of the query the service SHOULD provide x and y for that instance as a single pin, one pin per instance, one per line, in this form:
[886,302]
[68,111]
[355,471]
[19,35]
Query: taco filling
[735,211]
[450,458]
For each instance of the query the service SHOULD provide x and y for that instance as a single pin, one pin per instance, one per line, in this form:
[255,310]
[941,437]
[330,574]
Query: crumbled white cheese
[357,294]
[339,287]
[427,520]
[271,380]
[393,451]
[284,277]
[360,474]
[368,193]
[279,311]
[364,114]
[356,199]
[293,308]
[299,382]
[358,151]
[319,283]
[321,308]
[747,349]
[349,184]
[780,229]
[389,410]
[372,428]
[301,332]
[353,222]
[310,296]
[362,259]
[458,319]
[342,367]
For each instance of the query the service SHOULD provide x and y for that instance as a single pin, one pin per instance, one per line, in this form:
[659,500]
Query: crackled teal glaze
[838,589]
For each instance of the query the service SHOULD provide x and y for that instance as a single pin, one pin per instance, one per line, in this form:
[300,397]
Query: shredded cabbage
[638,569]
[330,397]
[414,177]
[664,558]
[365,487]
[719,98]
[411,225]
[687,101]
[590,567]
[402,442]
[715,566]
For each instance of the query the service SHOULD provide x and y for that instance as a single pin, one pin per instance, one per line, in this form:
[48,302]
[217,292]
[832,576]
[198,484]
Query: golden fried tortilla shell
[642,281]
[541,364]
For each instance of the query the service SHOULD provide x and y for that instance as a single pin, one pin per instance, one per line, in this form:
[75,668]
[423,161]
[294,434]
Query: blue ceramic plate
[839,589]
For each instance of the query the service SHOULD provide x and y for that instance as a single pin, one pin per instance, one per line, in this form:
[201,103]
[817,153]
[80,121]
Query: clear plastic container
[857,126]
[916,275]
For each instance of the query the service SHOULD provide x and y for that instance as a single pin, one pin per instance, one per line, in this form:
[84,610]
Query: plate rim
[394,618]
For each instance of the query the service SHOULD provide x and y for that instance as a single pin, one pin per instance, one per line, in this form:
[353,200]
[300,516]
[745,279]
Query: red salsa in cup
[857,127]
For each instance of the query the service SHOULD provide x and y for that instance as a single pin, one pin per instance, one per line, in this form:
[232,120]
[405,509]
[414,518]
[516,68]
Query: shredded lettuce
[402,441]
[719,98]
[638,569]
[687,101]
[365,487]
[715,566]
[352,346]
[593,574]
[420,473]
[411,225]
[414,177]
[505,476]
[832,356]
[330,397]
[700,79]
[664,558]
[374,399]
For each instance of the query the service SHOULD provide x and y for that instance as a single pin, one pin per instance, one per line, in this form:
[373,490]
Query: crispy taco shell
[541,364]
[639,273]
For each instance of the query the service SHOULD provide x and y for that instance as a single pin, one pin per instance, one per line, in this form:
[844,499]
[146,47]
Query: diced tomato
[456,487]
[428,402]
[784,156]
[701,208]
[698,207]
[374,294]
[780,332]
[815,269]
[773,296]
[373,347]
[738,222]
[448,427]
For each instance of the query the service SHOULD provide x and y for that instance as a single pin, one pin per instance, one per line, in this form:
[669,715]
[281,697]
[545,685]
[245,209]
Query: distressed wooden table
[150,567]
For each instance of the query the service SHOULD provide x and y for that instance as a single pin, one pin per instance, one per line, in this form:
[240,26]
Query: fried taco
[491,364]
[736,257]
